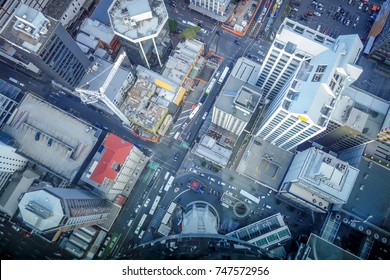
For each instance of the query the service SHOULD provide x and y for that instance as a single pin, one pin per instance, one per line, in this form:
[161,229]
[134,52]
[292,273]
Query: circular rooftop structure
[137,20]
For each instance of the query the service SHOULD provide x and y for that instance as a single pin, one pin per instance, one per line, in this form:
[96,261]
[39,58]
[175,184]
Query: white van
[318,27]
[130,222]
[267,206]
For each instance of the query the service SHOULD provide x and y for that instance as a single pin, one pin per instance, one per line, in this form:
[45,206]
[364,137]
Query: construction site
[242,17]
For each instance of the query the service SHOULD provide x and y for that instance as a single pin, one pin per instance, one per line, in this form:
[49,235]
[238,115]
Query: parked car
[237,42]
[16,228]
[176,157]
[204,115]
[219,33]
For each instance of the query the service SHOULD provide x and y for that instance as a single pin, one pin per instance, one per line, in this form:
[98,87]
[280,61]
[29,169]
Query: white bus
[171,207]
[210,86]
[155,204]
[141,223]
[191,23]
[223,76]
[169,183]
[249,196]
[193,113]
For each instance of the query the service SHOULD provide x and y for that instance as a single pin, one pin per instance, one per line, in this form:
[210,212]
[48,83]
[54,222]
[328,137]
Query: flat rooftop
[182,60]
[265,163]
[370,194]
[50,137]
[97,75]
[28,28]
[137,20]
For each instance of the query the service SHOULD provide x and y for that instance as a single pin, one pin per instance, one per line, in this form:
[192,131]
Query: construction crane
[92,96]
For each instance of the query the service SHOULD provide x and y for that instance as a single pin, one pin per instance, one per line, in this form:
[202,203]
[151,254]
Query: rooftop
[324,250]
[326,173]
[265,163]
[114,156]
[147,101]
[98,30]
[264,233]
[370,194]
[137,20]
[50,137]
[210,149]
[97,75]
[56,9]
[182,60]
[100,13]
[28,28]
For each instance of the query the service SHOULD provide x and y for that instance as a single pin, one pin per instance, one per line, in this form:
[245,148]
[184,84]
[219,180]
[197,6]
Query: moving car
[147,202]
[137,208]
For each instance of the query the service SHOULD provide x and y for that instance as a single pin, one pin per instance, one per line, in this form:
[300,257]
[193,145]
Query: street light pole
[365,221]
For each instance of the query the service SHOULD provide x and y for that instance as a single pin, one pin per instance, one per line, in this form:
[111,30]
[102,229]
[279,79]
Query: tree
[189,32]
[172,25]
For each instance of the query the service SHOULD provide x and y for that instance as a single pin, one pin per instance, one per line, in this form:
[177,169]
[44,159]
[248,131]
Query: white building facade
[303,107]
[216,6]
[10,162]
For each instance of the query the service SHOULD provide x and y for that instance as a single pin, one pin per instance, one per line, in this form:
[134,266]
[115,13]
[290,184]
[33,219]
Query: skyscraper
[140,25]
[51,209]
[308,91]
[43,44]
[10,161]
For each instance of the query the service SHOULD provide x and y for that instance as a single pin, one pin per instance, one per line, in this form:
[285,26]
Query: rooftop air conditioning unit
[43,30]
[21,25]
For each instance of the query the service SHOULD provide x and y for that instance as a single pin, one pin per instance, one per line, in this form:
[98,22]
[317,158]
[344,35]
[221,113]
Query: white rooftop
[97,30]
[41,209]
[28,28]
[327,173]
[137,20]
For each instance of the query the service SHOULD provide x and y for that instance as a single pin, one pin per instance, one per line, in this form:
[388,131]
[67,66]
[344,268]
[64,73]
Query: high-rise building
[10,161]
[141,26]
[42,44]
[239,97]
[378,39]
[308,94]
[10,96]
[356,119]
[51,209]
[294,46]
[315,180]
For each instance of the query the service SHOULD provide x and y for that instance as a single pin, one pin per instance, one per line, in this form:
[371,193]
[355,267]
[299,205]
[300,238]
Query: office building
[308,94]
[265,233]
[316,180]
[295,46]
[10,97]
[52,209]
[213,8]
[10,161]
[115,167]
[141,26]
[378,39]
[239,98]
[41,44]
[357,119]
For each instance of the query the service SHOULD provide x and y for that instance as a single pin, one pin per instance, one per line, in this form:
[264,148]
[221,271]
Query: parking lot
[334,17]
